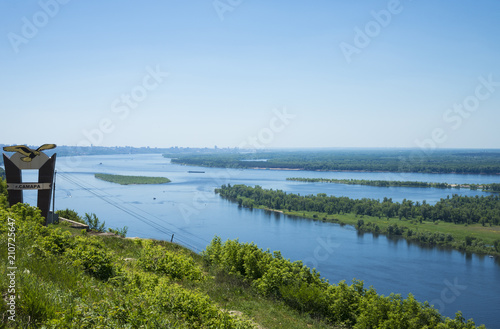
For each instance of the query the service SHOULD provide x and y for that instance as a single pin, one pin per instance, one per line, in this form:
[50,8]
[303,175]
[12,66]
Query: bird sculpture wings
[46,147]
[27,152]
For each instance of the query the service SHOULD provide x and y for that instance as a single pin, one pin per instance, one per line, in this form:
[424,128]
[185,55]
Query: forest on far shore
[447,161]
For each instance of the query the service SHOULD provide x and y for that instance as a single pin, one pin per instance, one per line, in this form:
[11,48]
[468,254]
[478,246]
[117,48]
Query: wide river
[188,208]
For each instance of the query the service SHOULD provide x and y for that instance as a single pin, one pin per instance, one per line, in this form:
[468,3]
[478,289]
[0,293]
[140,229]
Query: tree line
[441,161]
[494,187]
[457,209]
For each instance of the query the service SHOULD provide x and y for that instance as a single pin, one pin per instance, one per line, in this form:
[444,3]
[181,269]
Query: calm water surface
[190,210]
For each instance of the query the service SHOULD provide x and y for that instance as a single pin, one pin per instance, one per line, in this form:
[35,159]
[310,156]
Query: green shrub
[193,307]
[283,273]
[160,260]
[71,215]
[56,242]
[91,255]
[94,223]
[305,297]
[3,193]
[119,231]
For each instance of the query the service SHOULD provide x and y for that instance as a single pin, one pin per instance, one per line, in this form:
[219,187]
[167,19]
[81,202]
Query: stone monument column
[28,159]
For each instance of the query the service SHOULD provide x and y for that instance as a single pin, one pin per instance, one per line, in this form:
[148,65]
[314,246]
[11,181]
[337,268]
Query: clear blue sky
[232,65]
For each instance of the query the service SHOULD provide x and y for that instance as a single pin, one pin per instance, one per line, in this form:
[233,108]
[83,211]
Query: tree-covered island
[128,180]
[494,187]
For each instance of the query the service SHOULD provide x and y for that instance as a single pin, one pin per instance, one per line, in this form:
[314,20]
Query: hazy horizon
[271,149]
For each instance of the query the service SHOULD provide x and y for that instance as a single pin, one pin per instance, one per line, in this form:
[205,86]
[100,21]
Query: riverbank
[464,238]
[413,221]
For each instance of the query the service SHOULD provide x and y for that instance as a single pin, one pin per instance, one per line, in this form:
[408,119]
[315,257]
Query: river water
[188,208]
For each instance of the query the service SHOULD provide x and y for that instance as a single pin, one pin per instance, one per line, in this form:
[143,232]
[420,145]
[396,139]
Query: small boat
[195,172]
[491,256]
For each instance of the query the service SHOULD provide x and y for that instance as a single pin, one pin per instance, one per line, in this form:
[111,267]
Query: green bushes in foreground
[66,281]
[298,286]
[177,266]
[3,193]
[71,215]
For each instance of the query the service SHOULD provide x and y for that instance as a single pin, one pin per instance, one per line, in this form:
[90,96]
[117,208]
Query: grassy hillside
[66,278]
[128,180]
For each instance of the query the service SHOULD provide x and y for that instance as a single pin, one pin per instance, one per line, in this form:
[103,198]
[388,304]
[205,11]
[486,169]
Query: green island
[494,187]
[374,160]
[464,223]
[74,278]
[128,180]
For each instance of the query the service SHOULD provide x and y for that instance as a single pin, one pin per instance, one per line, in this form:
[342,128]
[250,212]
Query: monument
[28,159]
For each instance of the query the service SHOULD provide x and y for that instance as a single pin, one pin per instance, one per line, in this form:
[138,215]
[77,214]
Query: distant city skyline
[251,74]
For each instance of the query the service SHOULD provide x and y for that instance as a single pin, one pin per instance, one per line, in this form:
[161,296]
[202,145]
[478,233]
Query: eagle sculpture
[29,153]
